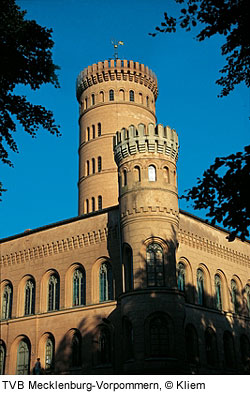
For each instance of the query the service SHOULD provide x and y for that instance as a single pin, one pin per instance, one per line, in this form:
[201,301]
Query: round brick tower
[149,217]
[112,94]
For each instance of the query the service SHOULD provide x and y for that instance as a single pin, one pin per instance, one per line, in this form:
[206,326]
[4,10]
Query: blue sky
[42,187]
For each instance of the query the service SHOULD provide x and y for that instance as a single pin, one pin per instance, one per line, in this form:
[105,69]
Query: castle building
[132,285]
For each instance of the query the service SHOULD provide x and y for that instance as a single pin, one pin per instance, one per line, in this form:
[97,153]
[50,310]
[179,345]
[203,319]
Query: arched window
[99,129]
[128,340]
[244,349]
[151,173]
[181,276]
[79,288]
[218,292]
[93,204]
[105,282]
[87,167]
[131,96]
[99,164]
[53,293]
[155,265]
[192,347]
[101,96]
[93,131]
[234,291]
[49,354]
[93,165]
[166,173]
[7,302]
[121,94]
[111,95]
[128,267]
[124,177]
[159,337]
[86,103]
[211,347]
[87,206]
[147,101]
[104,346]
[99,202]
[137,174]
[93,99]
[229,353]
[88,134]
[23,358]
[29,298]
[200,287]
[76,350]
[248,298]
[140,98]
[2,358]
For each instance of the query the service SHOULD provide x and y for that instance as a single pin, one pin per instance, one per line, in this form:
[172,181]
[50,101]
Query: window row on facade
[159,342]
[138,174]
[51,283]
[117,95]
[93,166]
[93,204]
[93,131]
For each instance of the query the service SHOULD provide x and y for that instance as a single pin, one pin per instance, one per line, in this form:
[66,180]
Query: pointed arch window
[229,353]
[105,282]
[181,276]
[49,354]
[2,358]
[99,129]
[111,95]
[211,347]
[234,291]
[192,348]
[131,95]
[79,288]
[159,337]
[99,164]
[99,202]
[218,292]
[29,300]
[200,287]
[76,350]
[151,173]
[23,358]
[53,293]
[7,302]
[104,346]
[155,265]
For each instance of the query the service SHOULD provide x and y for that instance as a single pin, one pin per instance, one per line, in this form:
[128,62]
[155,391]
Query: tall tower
[111,94]
[146,157]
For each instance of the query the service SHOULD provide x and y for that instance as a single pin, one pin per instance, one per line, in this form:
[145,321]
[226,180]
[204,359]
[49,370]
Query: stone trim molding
[203,244]
[149,138]
[111,70]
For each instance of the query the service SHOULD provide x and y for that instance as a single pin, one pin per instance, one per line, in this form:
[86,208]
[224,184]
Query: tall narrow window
[151,173]
[200,287]
[23,358]
[229,353]
[234,292]
[87,206]
[244,349]
[147,101]
[211,347]
[7,302]
[218,292]
[99,129]
[76,350]
[88,134]
[93,131]
[86,103]
[111,95]
[131,96]
[99,202]
[101,96]
[181,276]
[49,354]
[105,282]
[78,288]
[99,164]
[2,358]
[29,300]
[124,173]
[137,174]
[166,173]
[192,348]
[93,204]
[93,99]
[53,293]
[128,340]
[248,299]
[104,346]
[87,168]
[121,94]
[140,98]
[159,337]
[93,165]
[155,271]
[128,267]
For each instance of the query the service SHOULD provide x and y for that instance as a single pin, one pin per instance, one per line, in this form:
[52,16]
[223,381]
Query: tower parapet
[120,70]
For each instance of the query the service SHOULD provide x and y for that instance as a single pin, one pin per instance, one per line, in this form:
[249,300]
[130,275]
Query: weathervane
[116,44]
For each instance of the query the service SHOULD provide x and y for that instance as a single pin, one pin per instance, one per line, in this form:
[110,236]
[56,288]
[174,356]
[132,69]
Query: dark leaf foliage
[224,190]
[26,58]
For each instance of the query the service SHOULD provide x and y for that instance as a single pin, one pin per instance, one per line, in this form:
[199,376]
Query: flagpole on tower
[115,45]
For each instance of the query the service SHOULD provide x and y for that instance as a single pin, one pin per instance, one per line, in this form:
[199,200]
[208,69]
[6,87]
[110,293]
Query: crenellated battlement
[110,70]
[141,139]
